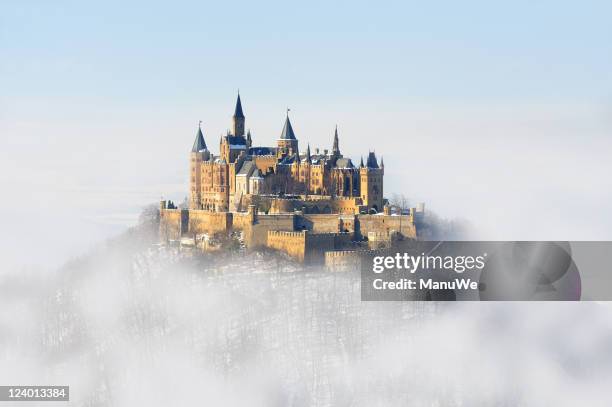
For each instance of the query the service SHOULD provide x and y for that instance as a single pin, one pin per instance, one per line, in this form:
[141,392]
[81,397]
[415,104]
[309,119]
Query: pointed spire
[361,164]
[199,144]
[238,111]
[287,133]
[336,147]
[308,159]
[372,162]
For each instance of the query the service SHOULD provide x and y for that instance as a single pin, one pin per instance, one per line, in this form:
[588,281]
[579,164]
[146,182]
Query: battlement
[275,234]
[349,260]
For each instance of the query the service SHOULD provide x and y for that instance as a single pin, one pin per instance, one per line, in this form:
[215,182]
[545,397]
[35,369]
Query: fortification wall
[387,223]
[201,221]
[347,206]
[242,220]
[264,223]
[291,243]
[317,244]
[305,246]
[350,260]
[346,260]
[172,224]
[320,223]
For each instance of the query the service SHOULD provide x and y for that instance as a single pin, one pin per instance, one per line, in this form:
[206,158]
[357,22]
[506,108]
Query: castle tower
[234,142]
[238,119]
[371,183]
[199,153]
[287,143]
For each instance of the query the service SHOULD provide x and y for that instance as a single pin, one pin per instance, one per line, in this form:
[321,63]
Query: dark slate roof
[199,144]
[288,160]
[344,163]
[287,133]
[336,147]
[246,168]
[238,111]
[236,140]
[262,151]
[372,162]
[318,158]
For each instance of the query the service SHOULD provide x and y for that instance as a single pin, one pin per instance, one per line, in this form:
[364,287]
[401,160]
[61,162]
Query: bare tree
[400,201]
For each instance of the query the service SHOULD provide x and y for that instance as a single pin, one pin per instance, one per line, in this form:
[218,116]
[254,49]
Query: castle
[281,198]
[226,181]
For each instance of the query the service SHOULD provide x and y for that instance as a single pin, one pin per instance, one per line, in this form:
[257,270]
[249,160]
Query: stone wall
[291,243]
[350,260]
[201,221]
[255,227]
[321,223]
[346,260]
[386,224]
[172,224]
[264,223]
[305,246]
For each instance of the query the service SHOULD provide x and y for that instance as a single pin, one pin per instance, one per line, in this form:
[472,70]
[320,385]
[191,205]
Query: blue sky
[500,113]
[413,52]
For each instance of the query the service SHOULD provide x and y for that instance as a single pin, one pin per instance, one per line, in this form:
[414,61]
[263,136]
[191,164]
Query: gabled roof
[246,168]
[287,133]
[238,110]
[199,144]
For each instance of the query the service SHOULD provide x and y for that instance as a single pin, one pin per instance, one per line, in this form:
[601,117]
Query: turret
[238,119]
[199,153]
[371,183]
[287,143]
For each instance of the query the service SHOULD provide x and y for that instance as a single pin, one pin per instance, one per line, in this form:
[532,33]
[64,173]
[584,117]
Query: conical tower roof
[287,133]
[238,110]
[199,144]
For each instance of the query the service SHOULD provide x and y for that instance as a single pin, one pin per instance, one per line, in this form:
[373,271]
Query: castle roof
[287,133]
[290,159]
[246,168]
[199,144]
[262,151]
[372,162]
[238,110]
[235,140]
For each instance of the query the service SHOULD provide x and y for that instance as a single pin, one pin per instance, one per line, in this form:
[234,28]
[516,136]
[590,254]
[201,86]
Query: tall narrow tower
[199,153]
[287,143]
[238,119]
[371,183]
